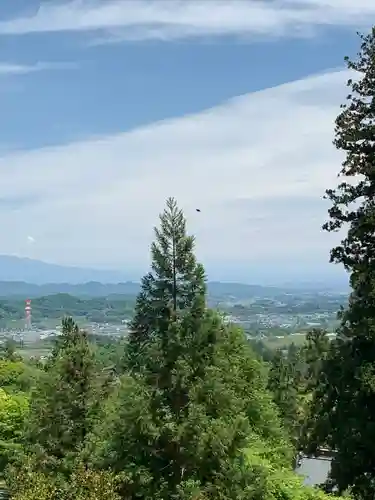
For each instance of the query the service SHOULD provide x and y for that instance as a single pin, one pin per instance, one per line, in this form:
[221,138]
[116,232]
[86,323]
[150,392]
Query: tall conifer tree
[174,287]
[344,404]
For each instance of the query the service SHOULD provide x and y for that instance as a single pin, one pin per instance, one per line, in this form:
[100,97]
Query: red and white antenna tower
[28,314]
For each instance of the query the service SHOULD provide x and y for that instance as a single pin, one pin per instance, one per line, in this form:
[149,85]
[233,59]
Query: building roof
[314,470]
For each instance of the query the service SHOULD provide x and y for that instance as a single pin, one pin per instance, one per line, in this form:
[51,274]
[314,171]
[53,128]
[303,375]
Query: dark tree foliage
[290,383]
[344,403]
[315,352]
[284,389]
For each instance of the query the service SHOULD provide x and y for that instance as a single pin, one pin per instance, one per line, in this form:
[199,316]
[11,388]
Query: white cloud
[22,69]
[257,167]
[166,19]
[15,69]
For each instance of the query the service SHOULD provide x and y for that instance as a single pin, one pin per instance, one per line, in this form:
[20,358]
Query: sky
[109,107]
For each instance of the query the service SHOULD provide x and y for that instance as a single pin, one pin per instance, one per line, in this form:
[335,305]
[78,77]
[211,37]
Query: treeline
[20,289]
[183,409]
[293,378]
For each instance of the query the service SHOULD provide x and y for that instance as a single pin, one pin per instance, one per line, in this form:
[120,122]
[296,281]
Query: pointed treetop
[176,284]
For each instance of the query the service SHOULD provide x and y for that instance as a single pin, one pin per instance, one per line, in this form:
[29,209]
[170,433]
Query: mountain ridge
[24,269]
[28,277]
[216,289]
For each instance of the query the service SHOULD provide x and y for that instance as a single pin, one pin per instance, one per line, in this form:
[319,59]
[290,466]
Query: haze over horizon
[15,269]
[110,107]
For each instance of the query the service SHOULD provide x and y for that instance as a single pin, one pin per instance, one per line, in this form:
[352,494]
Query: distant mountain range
[217,291]
[24,277]
[38,272]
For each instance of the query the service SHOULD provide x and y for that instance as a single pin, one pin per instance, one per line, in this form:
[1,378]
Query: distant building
[315,470]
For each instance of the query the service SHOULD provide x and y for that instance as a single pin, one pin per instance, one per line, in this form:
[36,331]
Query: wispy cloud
[23,69]
[257,167]
[174,19]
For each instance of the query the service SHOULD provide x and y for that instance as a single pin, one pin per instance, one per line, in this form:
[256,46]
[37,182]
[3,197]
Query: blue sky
[108,107]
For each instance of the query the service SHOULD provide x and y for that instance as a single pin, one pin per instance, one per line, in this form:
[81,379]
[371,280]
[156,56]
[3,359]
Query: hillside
[258,309]
[50,309]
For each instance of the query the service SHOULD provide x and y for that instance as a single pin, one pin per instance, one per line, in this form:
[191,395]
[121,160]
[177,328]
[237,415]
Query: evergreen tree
[344,404]
[283,384]
[177,428]
[175,286]
[60,415]
[315,352]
